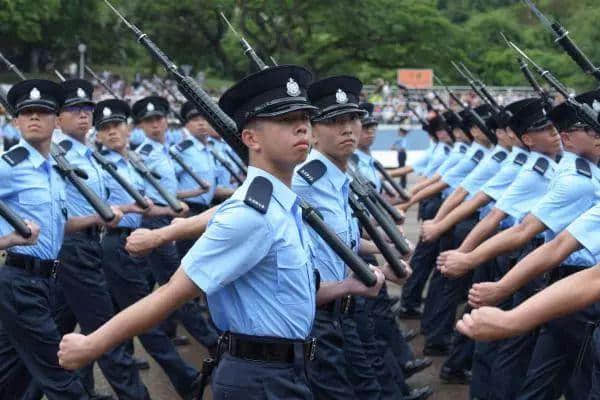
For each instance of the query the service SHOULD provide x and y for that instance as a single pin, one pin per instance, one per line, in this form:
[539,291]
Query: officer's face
[479,136]
[545,141]
[460,135]
[504,139]
[443,136]
[36,125]
[338,137]
[367,137]
[583,142]
[199,127]
[282,141]
[114,135]
[154,127]
[76,120]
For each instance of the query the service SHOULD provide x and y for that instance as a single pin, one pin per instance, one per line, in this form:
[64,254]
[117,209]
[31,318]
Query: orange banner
[416,78]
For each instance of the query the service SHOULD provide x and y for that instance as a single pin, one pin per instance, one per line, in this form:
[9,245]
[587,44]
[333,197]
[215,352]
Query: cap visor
[338,112]
[289,109]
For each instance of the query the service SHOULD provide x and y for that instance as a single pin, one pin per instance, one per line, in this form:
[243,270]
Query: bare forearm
[483,230]
[76,224]
[428,192]
[462,212]
[330,291]
[540,261]
[398,172]
[450,203]
[502,243]
[145,314]
[559,299]
[189,228]
[367,248]
[222,193]
[186,194]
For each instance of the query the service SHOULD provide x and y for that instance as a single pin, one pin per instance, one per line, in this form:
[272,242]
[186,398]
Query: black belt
[33,265]
[265,349]
[119,231]
[345,305]
[91,232]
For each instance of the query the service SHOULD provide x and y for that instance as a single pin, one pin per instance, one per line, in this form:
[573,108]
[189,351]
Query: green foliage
[370,38]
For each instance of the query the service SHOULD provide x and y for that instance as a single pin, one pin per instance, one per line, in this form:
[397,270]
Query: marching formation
[270,232]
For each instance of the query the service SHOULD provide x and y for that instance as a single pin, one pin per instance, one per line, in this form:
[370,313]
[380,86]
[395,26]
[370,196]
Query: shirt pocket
[293,283]
[34,196]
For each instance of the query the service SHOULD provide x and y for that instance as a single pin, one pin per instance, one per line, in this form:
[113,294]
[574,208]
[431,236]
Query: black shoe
[141,363]
[408,313]
[455,377]
[195,390]
[409,335]
[415,366]
[180,340]
[418,394]
[436,350]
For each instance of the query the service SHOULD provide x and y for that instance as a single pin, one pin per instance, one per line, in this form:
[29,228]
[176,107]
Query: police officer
[124,272]
[151,113]
[196,155]
[80,280]
[29,335]
[254,260]
[226,168]
[532,126]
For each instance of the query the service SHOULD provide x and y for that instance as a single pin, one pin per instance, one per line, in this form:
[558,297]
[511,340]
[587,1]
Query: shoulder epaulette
[477,156]
[313,171]
[105,152]
[541,166]
[15,156]
[446,150]
[259,194]
[520,159]
[183,146]
[146,149]
[583,168]
[354,158]
[462,148]
[499,156]
[66,145]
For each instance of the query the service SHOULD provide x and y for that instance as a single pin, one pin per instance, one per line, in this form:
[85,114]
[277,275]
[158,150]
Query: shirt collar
[364,157]
[197,142]
[281,193]
[336,176]
[79,147]
[155,143]
[34,156]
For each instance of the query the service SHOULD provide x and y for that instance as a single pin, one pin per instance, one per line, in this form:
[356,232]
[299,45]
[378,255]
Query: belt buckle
[312,349]
[346,304]
[54,268]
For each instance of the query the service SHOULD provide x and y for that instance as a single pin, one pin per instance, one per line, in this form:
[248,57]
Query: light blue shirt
[585,229]
[137,136]
[442,150]
[198,158]
[455,175]
[458,153]
[492,162]
[80,156]
[119,196]
[156,157]
[36,192]
[175,136]
[329,196]
[10,132]
[421,163]
[527,189]
[255,268]
[366,166]
[570,194]
[507,174]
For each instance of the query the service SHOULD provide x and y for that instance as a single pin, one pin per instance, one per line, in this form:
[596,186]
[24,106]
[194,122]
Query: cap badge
[293,89]
[35,94]
[150,107]
[341,97]
[80,93]
[596,105]
[107,112]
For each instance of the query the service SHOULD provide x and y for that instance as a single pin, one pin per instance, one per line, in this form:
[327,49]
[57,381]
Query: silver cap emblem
[150,107]
[341,97]
[596,105]
[293,89]
[81,93]
[35,94]
[107,112]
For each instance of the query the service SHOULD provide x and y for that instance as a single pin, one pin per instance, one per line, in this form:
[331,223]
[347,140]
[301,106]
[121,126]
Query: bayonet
[248,50]
[12,67]
[101,82]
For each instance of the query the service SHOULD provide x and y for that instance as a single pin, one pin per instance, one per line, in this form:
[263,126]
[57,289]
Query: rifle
[177,157]
[226,164]
[112,170]
[567,44]
[248,50]
[237,162]
[152,178]
[401,192]
[12,67]
[229,132]
[487,96]
[101,82]
[583,110]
